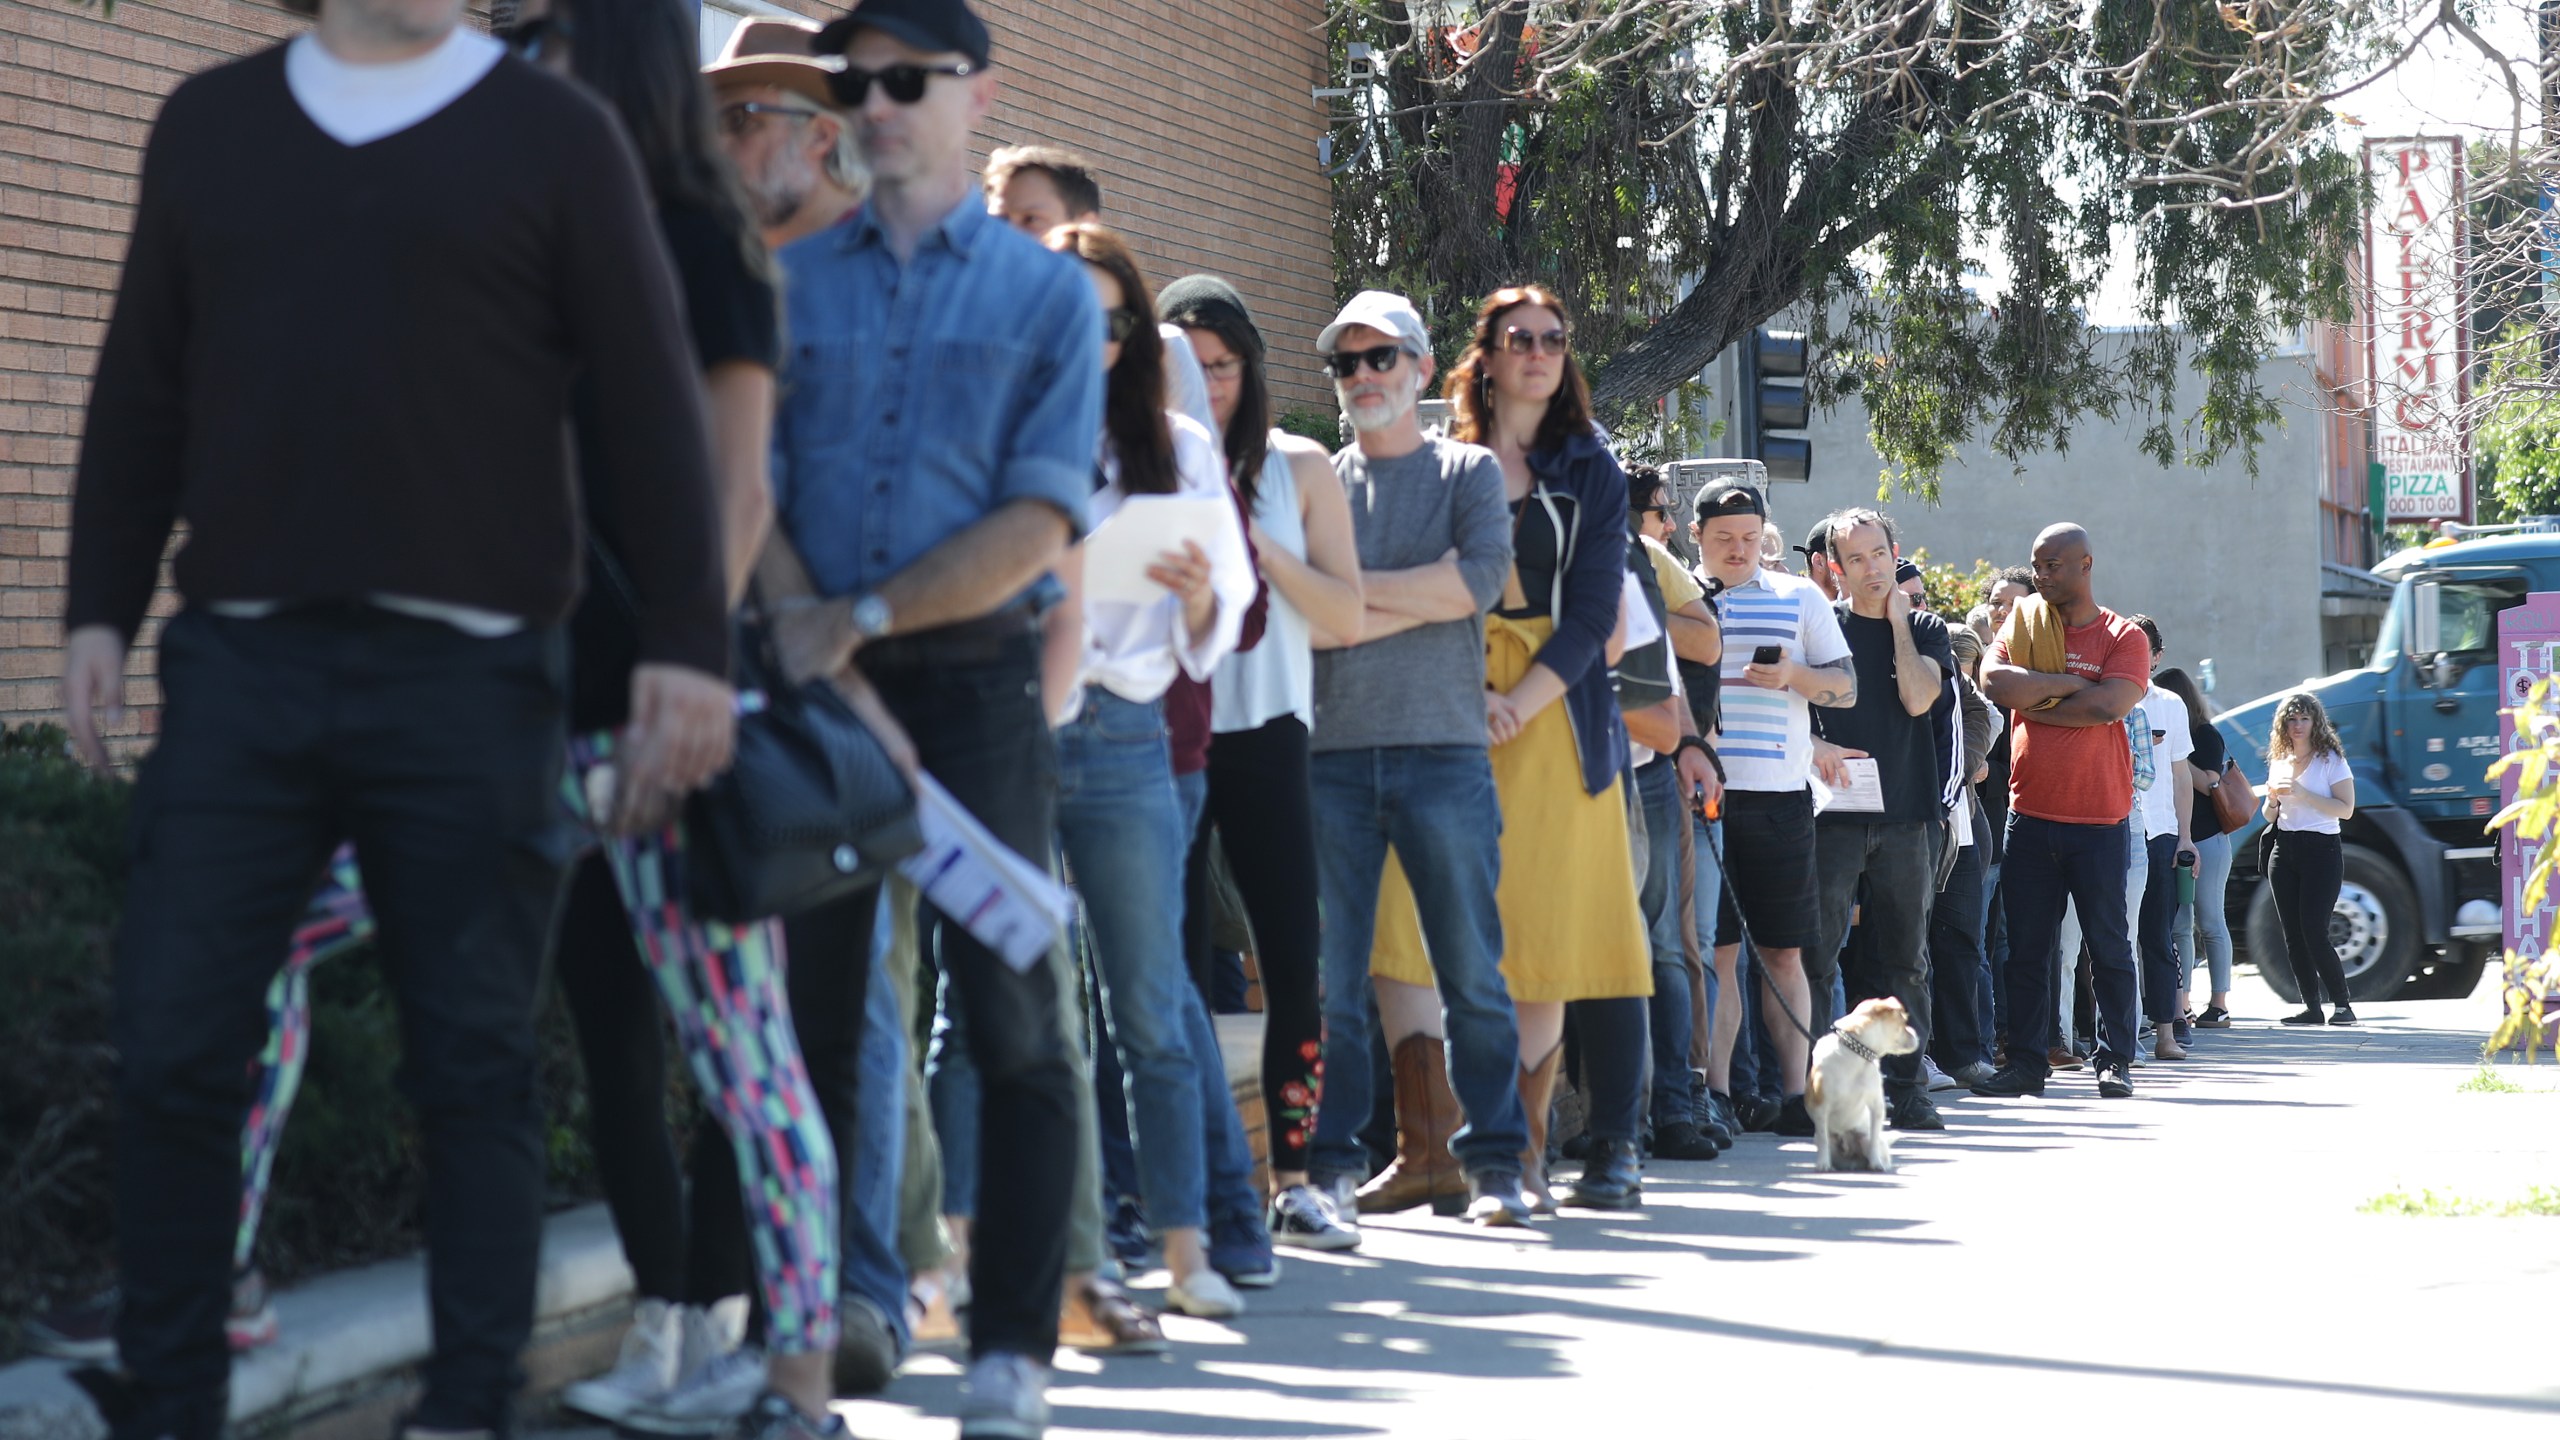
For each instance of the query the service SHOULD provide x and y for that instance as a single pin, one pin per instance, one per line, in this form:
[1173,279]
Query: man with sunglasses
[794,153]
[1399,760]
[933,452]
[379,557]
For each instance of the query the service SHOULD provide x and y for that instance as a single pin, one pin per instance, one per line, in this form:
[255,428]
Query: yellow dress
[1572,928]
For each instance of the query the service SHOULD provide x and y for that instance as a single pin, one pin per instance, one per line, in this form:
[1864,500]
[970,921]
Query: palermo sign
[2419,345]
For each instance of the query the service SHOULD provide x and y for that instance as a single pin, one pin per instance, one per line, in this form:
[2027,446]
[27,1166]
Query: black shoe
[1612,1181]
[866,1348]
[1681,1140]
[1758,1113]
[1713,1120]
[1914,1111]
[1577,1148]
[2310,1016]
[1793,1118]
[2012,1081]
[1494,1201]
[2115,1080]
[2342,1016]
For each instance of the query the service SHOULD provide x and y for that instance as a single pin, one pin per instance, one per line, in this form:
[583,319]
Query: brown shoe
[1423,1172]
[2061,1058]
[1537,1102]
[1099,1320]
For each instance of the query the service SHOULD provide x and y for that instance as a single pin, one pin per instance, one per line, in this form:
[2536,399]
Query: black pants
[2159,908]
[439,755]
[1259,802]
[2304,873]
[1959,1000]
[1899,861]
[2050,864]
[974,712]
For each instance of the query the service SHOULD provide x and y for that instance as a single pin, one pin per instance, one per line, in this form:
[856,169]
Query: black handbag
[810,810]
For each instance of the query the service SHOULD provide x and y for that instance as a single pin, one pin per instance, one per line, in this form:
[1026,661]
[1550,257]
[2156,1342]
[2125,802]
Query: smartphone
[1766,655]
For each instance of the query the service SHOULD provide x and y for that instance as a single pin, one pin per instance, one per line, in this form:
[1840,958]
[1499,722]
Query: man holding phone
[1783,655]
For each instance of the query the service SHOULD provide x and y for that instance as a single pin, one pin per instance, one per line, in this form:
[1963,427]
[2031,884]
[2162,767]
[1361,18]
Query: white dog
[1846,1095]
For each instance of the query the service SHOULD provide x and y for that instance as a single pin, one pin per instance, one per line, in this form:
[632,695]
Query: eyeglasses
[1124,323]
[1664,511]
[1227,368]
[904,83]
[1346,363]
[526,38]
[1521,342]
[740,119]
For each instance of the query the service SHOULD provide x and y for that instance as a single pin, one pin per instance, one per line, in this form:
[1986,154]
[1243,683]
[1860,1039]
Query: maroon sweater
[1187,704]
[347,368]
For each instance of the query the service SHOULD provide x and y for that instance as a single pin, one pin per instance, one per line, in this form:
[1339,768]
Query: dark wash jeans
[976,718]
[1899,861]
[439,756]
[2050,864]
[1658,787]
[1959,971]
[2159,908]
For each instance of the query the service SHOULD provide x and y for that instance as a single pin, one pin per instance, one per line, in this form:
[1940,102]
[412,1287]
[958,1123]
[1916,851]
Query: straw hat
[766,50]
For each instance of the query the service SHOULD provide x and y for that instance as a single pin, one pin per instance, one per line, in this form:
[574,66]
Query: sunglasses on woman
[904,83]
[1522,342]
[1346,363]
[1123,322]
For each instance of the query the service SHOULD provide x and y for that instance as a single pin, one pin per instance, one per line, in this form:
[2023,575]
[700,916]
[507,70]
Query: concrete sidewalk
[2191,1262]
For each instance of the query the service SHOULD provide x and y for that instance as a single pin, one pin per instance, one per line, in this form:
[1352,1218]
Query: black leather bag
[811,810]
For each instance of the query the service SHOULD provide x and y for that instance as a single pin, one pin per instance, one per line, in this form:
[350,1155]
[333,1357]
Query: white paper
[1118,552]
[1863,794]
[1641,628]
[1005,902]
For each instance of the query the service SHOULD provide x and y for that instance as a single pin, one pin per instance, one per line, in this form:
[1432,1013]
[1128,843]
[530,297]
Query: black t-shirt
[1904,745]
[732,313]
[2210,752]
[1536,553]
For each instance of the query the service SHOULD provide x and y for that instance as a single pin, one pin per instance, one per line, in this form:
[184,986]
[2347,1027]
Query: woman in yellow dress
[1573,932]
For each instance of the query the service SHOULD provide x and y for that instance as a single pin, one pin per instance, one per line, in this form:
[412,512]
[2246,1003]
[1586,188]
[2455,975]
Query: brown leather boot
[1426,1116]
[1537,1100]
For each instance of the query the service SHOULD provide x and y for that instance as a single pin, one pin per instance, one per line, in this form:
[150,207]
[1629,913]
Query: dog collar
[1856,1046]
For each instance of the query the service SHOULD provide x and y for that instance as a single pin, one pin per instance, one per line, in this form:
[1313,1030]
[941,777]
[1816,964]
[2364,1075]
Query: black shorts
[1768,862]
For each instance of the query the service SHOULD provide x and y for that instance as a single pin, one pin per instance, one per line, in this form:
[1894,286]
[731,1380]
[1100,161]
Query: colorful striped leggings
[724,988]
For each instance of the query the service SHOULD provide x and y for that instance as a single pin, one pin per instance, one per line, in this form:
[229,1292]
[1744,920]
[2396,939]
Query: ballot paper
[1118,552]
[1864,792]
[1005,902]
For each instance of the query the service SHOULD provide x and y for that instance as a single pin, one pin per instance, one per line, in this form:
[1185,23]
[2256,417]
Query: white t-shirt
[1766,741]
[2174,741]
[1136,650]
[359,104]
[2321,777]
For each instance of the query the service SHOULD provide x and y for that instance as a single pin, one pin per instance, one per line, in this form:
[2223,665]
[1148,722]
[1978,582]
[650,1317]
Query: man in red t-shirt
[2070,791]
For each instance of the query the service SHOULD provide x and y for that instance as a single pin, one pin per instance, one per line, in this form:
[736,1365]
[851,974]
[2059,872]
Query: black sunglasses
[1521,342]
[1124,323]
[904,83]
[1346,363]
[525,38]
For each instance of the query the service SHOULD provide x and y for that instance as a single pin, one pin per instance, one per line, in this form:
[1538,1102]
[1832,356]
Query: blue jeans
[1658,789]
[1995,951]
[1705,839]
[2049,864]
[2203,927]
[1435,805]
[872,1268]
[1120,825]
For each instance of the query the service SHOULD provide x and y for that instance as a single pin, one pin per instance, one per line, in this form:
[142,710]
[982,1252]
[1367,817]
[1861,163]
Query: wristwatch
[871,617]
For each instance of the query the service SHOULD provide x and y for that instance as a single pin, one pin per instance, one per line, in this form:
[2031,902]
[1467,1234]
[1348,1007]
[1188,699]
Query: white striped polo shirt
[1766,741]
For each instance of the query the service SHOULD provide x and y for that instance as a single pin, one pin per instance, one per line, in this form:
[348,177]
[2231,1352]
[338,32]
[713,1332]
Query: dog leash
[1724,880]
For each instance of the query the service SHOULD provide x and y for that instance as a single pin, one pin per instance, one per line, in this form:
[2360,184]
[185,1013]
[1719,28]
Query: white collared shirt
[1135,651]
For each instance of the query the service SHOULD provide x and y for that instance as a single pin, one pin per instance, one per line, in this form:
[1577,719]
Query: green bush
[346,1184]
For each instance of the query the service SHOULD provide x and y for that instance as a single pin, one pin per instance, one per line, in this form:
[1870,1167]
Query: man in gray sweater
[1399,742]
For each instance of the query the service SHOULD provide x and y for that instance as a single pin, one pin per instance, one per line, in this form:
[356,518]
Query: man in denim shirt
[933,448]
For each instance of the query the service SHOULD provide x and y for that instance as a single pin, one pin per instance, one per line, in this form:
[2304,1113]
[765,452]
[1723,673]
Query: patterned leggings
[722,985]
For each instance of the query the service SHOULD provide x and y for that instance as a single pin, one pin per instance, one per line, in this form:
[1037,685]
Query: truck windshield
[2387,641]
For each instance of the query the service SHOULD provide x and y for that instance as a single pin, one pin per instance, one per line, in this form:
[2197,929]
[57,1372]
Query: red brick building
[1196,112]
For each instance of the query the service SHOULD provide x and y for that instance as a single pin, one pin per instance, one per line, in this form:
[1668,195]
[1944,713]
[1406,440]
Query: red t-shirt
[2079,774]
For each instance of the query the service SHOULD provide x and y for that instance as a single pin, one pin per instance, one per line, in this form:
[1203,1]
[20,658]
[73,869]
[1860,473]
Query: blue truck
[2418,916]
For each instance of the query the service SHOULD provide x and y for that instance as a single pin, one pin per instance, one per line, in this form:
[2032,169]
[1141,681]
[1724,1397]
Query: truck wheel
[2375,927]
[2454,977]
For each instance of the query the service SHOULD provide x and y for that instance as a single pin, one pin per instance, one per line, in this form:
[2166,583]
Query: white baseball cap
[1380,310]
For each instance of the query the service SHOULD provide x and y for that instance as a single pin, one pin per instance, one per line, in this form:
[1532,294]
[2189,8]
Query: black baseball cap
[1730,497]
[925,24]
[1905,573]
[1817,541]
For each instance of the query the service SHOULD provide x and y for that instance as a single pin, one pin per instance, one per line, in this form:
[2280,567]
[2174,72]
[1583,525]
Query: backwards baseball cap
[936,25]
[1905,573]
[770,50]
[1817,541]
[1380,310]
[1730,497]
[1209,302]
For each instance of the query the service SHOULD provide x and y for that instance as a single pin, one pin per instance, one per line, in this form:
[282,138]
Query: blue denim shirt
[917,399]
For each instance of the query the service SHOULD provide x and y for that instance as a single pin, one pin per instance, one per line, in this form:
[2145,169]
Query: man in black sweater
[341,353]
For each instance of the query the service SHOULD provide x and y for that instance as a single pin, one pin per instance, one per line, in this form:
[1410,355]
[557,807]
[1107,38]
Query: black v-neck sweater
[348,368]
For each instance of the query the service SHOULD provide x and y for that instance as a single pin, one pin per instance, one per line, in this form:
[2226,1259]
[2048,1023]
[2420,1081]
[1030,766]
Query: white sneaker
[1935,1078]
[1004,1398]
[708,1401]
[1302,1216]
[1342,1192]
[1204,1294]
[642,1374]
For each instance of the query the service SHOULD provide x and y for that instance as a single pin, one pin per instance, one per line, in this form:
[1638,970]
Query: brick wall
[1196,113]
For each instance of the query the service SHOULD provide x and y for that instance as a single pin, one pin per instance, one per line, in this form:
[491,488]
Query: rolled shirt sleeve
[1480,527]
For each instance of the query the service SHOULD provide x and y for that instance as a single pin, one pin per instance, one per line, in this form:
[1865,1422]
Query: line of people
[487,415]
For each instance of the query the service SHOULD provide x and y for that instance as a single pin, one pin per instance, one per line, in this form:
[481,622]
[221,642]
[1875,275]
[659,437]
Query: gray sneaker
[1975,1074]
[1004,1398]
[708,1401]
[1495,1201]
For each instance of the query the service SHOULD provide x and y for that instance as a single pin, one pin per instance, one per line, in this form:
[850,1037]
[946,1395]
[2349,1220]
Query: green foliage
[2517,444]
[2487,1081]
[1950,591]
[1316,425]
[2540,1200]
[2528,979]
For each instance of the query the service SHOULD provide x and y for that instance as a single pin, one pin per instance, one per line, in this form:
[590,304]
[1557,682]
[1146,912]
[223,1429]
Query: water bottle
[2187,879]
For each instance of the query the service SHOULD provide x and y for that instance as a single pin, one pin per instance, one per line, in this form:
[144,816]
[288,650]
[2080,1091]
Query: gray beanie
[1209,303]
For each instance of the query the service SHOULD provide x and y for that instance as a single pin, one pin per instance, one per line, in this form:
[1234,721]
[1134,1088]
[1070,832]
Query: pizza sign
[2418,343]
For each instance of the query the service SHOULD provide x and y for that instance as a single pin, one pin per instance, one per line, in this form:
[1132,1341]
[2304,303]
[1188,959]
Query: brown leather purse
[2234,801]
